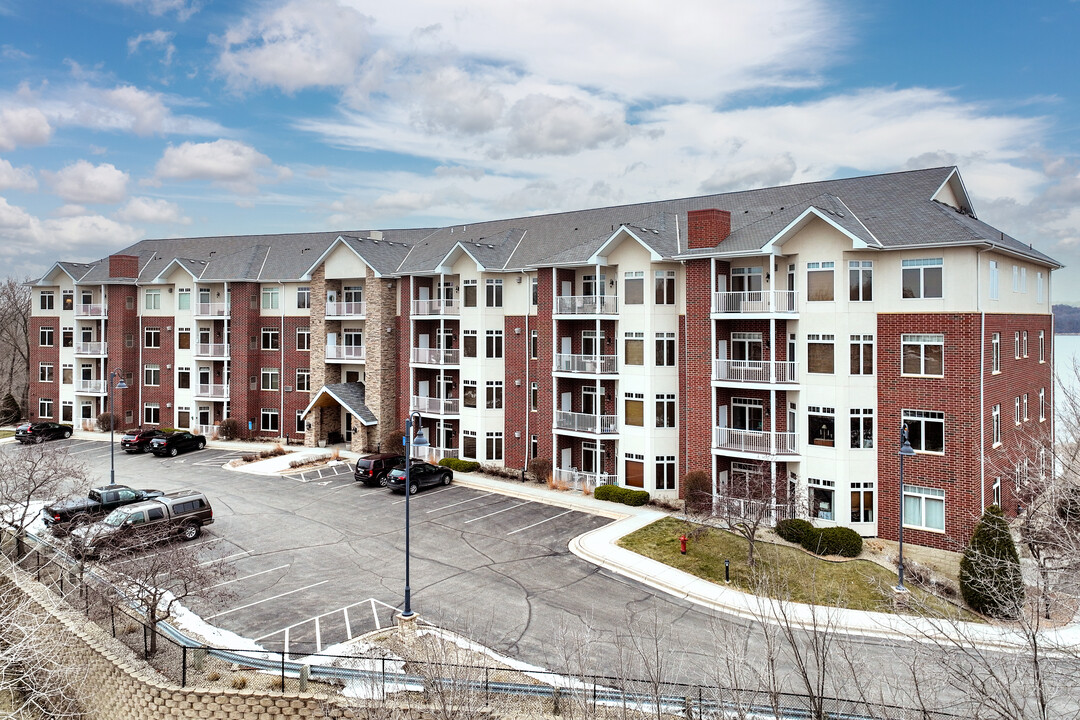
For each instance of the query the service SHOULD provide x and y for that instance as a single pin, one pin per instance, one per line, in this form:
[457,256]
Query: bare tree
[15,339]
[29,476]
[750,502]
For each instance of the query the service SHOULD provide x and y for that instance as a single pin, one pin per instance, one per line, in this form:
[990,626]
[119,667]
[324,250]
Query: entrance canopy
[349,396]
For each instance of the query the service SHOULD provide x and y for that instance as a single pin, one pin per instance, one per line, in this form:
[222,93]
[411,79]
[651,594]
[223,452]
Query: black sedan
[176,442]
[41,431]
[138,440]
[421,474]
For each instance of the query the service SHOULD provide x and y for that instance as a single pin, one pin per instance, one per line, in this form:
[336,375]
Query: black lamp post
[120,385]
[905,451]
[410,442]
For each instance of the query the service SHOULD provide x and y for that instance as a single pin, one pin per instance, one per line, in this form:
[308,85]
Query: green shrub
[990,579]
[793,530]
[832,541]
[606,492]
[229,429]
[635,498]
[624,495]
[458,465]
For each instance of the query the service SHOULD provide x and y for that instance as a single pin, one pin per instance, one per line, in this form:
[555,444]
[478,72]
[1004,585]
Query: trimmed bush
[794,530]
[624,495]
[104,422]
[606,492]
[458,465]
[697,490]
[990,579]
[635,498]
[540,469]
[229,429]
[832,541]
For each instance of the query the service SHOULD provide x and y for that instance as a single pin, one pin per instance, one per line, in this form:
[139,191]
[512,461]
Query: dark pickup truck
[180,514]
[99,501]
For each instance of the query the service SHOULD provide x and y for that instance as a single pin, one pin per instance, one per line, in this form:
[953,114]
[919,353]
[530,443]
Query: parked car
[76,511]
[137,440]
[421,474]
[41,431]
[373,469]
[172,443]
[179,514]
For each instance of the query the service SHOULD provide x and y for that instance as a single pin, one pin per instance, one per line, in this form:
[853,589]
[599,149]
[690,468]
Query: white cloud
[158,38]
[23,126]
[72,232]
[543,125]
[69,210]
[230,163]
[184,9]
[84,182]
[152,210]
[13,178]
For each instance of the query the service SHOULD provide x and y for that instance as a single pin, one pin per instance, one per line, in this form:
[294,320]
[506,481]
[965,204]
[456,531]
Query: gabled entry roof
[349,396]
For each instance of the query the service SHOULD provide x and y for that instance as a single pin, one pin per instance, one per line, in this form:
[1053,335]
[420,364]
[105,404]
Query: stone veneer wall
[317,362]
[381,369]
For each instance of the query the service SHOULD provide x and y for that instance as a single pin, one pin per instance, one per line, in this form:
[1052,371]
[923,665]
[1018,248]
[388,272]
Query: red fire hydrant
[682,544]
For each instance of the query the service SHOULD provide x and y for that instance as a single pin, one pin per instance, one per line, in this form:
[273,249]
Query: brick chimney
[123,266]
[707,228]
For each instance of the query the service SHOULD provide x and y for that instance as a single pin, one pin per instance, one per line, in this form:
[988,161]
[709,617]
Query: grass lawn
[6,434]
[789,572]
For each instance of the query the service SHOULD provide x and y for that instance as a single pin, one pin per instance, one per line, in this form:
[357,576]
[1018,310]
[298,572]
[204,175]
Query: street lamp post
[409,441]
[905,451]
[120,385]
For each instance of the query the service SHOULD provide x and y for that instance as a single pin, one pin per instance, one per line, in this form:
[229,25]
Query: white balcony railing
[92,310]
[212,309]
[346,309]
[755,371]
[582,481]
[91,387]
[582,422]
[346,352]
[212,350]
[435,406]
[212,391]
[735,507]
[586,305]
[756,301]
[588,364]
[432,454]
[436,356]
[91,348]
[209,431]
[755,441]
[435,307]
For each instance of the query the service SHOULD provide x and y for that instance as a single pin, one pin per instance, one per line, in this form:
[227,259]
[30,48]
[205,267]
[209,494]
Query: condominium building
[787,332]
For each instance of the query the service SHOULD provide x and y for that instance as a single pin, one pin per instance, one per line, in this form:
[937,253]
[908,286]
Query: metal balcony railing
[212,350]
[436,356]
[586,305]
[582,422]
[91,348]
[756,371]
[587,364]
[346,352]
[346,309]
[213,309]
[435,307]
[432,454]
[435,406]
[212,391]
[756,301]
[92,310]
[91,387]
[578,480]
[755,441]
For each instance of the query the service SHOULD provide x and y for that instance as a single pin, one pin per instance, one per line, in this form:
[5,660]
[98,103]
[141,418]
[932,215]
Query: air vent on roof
[840,213]
[491,247]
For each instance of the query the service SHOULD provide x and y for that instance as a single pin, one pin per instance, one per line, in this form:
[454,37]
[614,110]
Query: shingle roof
[350,396]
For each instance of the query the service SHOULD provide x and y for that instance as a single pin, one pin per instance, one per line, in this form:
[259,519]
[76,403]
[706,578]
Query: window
[635,409]
[746,279]
[67,374]
[494,446]
[152,337]
[635,348]
[589,286]
[1042,346]
[1016,344]
[271,338]
[1024,343]
[183,338]
[534,446]
[152,413]
[45,337]
[634,287]
[664,287]
[303,379]
[923,355]
[67,337]
[665,472]
[1019,279]
[996,492]
[303,338]
[924,508]
[534,344]
[152,300]
[183,378]
[1042,404]
[1025,404]
[151,375]
[271,299]
[468,393]
[862,354]
[494,293]
[665,349]
[469,287]
[819,281]
[995,419]
[665,411]
[862,428]
[924,429]
[995,352]
[1039,287]
[270,379]
[45,372]
[468,444]
[494,394]
[862,502]
[67,412]
[494,343]
[534,396]
[819,354]
[46,299]
[268,419]
[821,425]
[303,297]
[922,277]
[860,281]
[994,280]
[535,292]
[69,300]
[822,494]
[468,344]
[129,340]
[45,408]
[183,299]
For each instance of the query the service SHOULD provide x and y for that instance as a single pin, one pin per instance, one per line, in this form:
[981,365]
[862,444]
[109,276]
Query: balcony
[92,349]
[755,302]
[586,423]
[209,431]
[582,481]
[211,392]
[586,305]
[346,353]
[432,454]
[93,310]
[755,442]
[212,310]
[435,356]
[219,351]
[91,387]
[587,364]
[434,307]
[755,371]
[346,310]
[435,406]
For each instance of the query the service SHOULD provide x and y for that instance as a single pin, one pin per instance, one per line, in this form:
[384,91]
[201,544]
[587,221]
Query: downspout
[554,380]
[982,380]
[281,365]
[712,390]
[227,376]
[528,359]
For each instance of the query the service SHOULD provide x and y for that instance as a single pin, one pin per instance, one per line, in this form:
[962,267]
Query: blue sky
[125,119]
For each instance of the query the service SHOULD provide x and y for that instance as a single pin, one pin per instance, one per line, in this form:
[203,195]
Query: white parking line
[436,492]
[444,507]
[227,557]
[259,602]
[496,512]
[248,577]
[539,523]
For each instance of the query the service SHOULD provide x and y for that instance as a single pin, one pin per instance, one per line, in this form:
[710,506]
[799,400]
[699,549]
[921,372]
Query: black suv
[421,474]
[41,431]
[373,469]
[138,440]
[172,443]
